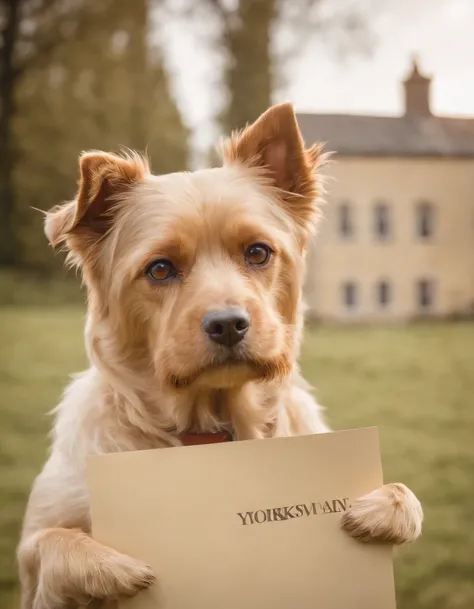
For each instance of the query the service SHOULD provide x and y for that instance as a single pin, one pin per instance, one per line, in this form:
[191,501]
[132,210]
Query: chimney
[417,93]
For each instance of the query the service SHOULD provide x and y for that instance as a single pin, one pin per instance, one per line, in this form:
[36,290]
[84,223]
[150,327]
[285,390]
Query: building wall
[446,259]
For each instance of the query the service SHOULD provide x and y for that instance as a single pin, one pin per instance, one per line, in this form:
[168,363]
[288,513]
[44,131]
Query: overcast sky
[440,32]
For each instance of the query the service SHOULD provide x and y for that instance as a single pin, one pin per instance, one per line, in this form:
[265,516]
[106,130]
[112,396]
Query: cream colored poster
[246,525]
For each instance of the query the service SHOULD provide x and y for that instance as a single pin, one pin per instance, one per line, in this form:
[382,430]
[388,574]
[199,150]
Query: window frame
[346,219]
[384,306]
[382,204]
[430,306]
[421,206]
[354,285]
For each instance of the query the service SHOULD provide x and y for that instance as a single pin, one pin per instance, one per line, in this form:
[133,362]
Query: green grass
[415,382]
[20,288]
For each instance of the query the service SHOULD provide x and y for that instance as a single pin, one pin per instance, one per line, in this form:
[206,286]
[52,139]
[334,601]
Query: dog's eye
[257,254]
[160,270]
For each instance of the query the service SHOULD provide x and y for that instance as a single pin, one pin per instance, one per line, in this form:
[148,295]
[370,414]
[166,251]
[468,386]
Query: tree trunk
[249,72]
[8,244]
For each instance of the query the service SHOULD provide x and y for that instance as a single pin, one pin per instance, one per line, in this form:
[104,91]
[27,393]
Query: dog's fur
[154,373]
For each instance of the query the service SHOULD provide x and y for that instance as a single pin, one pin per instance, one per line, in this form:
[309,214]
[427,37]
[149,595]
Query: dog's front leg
[392,514]
[64,567]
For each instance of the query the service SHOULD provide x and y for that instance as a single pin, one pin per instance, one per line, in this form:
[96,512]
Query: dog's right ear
[103,179]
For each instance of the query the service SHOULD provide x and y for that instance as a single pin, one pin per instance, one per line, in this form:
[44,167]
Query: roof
[357,135]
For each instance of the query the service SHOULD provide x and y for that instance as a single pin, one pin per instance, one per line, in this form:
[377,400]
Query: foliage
[257,40]
[86,77]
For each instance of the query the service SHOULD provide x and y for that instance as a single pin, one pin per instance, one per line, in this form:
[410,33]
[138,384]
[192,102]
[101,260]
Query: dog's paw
[117,575]
[82,572]
[391,514]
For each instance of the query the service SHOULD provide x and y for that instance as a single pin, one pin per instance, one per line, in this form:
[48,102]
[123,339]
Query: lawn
[415,382]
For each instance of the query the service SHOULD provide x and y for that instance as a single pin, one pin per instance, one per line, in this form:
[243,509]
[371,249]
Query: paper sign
[246,525]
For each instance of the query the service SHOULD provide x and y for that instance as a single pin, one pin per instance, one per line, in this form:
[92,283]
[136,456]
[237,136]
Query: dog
[194,325]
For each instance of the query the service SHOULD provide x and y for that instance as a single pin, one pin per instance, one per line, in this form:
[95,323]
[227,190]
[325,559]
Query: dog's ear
[274,144]
[103,179]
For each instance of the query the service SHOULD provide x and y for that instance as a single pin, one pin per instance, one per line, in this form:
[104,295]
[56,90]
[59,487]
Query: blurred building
[398,236]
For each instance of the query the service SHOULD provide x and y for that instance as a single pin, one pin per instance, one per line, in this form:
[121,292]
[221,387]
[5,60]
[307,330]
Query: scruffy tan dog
[194,326]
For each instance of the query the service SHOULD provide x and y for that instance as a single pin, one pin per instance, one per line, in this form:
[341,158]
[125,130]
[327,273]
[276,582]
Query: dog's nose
[226,327]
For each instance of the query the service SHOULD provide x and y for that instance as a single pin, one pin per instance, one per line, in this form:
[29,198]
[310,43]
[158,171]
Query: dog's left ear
[274,144]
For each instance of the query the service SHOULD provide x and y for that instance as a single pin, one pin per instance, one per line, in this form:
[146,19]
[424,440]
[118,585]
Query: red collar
[192,439]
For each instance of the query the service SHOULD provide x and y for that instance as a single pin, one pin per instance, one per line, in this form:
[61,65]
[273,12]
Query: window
[349,295]
[382,227]
[425,294]
[346,220]
[424,220]
[383,294]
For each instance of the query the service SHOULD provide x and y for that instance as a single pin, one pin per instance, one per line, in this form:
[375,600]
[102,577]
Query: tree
[10,19]
[26,39]
[85,77]
[249,72]
[258,38]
